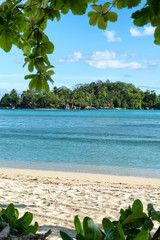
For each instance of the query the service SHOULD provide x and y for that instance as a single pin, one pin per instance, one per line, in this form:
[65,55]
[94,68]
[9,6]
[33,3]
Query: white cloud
[111,36]
[72,58]
[106,60]
[147,31]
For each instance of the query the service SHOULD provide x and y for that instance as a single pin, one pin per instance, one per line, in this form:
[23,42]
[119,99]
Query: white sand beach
[56,197]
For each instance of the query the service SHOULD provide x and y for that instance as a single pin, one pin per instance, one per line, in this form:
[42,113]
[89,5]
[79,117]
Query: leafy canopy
[23,24]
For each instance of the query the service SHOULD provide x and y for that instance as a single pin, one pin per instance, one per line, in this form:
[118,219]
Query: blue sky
[84,54]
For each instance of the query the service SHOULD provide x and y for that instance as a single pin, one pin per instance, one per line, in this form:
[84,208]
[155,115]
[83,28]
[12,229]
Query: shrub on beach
[12,227]
[133,224]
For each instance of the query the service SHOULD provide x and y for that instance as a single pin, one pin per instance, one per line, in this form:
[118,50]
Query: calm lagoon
[120,142]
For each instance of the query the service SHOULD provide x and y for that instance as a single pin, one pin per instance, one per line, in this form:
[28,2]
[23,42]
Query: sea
[117,142]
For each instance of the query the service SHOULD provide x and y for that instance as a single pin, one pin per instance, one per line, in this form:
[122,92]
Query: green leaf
[105,7]
[91,13]
[109,235]
[31,42]
[38,35]
[10,212]
[157,36]
[6,39]
[155,215]
[1,21]
[102,23]
[36,83]
[28,2]
[30,76]
[45,3]
[135,216]
[80,236]
[122,4]
[2,212]
[50,73]
[45,85]
[57,15]
[137,206]
[155,21]
[120,231]
[148,225]
[64,10]
[30,12]
[157,41]
[155,6]
[46,48]
[43,24]
[30,229]
[133,3]
[97,8]
[141,17]
[142,235]
[107,225]
[112,16]
[26,219]
[45,58]
[125,214]
[92,232]
[114,3]
[49,78]
[94,1]
[31,66]
[94,18]
[16,213]
[39,64]
[10,215]
[65,236]
[21,22]
[26,50]
[77,7]
[77,224]
[157,33]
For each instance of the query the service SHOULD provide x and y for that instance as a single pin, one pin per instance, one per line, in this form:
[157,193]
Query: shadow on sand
[56,229]
[17,206]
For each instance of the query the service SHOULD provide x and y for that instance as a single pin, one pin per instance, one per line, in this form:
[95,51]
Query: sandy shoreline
[56,197]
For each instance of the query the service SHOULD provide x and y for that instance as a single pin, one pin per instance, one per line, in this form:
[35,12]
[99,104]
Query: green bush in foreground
[133,224]
[18,226]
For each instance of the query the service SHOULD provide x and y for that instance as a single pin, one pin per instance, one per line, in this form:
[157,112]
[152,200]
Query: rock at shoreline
[89,108]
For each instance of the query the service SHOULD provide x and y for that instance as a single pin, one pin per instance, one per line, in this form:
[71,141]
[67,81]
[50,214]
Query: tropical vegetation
[133,224]
[13,227]
[23,24]
[96,95]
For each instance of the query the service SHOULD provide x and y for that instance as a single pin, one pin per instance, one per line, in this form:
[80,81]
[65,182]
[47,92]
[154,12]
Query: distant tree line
[95,95]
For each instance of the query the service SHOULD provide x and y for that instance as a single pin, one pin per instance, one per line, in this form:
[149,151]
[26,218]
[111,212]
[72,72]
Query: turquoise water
[121,142]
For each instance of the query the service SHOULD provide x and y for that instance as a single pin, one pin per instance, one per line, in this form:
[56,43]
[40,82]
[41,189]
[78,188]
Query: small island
[96,95]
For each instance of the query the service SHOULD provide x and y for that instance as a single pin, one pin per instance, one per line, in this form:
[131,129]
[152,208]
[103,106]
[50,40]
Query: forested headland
[96,95]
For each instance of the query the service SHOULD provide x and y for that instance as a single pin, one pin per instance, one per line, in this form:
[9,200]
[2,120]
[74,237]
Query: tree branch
[110,7]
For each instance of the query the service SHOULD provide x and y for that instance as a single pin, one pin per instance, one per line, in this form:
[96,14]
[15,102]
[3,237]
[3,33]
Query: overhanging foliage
[23,24]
